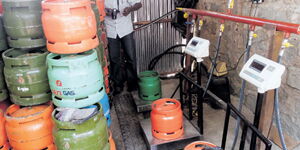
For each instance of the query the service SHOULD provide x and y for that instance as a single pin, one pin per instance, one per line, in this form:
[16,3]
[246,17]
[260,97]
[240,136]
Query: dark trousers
[121,69]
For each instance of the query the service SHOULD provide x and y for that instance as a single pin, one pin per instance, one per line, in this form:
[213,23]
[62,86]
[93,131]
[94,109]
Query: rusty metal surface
[156,38]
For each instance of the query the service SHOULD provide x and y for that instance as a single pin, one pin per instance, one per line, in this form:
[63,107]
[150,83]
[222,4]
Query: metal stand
[246,125]
[259,103]
[141,105]
[199,100]
[190,134]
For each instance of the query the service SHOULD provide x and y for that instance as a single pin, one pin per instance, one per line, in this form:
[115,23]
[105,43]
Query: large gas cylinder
[26,76]
[92,134]
[166,119]
[3,44]
[106,108]
[74,21]
[149,85]
[22,23]
[30,128]
[3,91]
[201,145]
[3,138]
[76,81]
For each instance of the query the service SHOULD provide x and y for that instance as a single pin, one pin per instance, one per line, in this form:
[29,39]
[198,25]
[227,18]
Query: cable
[242,89]
[156,20]
[278,119]
[160,56]
[235,66]
[169,49]
[241,101]
[276,106]
[215,60]
[156,58]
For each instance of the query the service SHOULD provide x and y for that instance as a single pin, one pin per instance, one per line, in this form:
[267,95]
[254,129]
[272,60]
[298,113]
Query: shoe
[117,91]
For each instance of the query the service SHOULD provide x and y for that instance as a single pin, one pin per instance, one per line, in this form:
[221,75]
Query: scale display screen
[194,43]
[258,66]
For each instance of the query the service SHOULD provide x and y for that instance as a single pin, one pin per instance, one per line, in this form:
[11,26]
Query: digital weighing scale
[266,75]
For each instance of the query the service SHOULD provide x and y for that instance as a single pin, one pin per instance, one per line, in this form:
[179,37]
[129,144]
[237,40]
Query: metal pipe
[190,103]
[211,94]
[252,127]
[280,26]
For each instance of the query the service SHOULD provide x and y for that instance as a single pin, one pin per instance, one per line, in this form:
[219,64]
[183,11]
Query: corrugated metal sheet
[153,40]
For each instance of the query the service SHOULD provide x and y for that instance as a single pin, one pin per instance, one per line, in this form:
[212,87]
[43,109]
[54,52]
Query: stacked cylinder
[28,124]
[75,74]
[71,75]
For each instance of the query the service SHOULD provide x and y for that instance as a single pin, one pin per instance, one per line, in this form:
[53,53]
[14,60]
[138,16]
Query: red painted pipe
[280,26]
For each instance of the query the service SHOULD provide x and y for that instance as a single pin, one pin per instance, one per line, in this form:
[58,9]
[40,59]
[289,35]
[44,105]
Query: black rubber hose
[156,58]
[213,65]
[241,102]
[277,114]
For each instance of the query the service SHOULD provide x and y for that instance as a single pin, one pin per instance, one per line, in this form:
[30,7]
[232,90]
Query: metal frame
[229,109]
[279,25]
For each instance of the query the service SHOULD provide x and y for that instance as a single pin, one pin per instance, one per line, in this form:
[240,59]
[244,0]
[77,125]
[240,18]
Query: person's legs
[116,73]
[128,44]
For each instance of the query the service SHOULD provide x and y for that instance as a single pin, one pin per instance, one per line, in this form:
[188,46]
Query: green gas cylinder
[25,74]
[3,44]
[92,134]
[3,91]
[76,80]
[149,85]
[22,23]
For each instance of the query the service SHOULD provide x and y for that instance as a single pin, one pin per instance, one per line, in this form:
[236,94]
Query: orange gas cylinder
[200,145]
[69,26]
[167,119]
[30,128]
[101,8]
[112,142]
[3,138]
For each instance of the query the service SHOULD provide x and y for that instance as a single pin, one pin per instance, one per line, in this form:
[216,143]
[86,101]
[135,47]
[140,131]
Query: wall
[233,45]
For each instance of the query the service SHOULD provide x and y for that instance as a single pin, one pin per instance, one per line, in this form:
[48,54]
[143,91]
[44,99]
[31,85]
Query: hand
[126,11]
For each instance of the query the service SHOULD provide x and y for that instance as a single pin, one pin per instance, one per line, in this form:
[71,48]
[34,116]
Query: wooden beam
[268,104]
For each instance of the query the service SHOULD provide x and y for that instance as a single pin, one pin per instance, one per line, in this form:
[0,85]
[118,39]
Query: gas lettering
[56,92]
[69,93]
[23,89]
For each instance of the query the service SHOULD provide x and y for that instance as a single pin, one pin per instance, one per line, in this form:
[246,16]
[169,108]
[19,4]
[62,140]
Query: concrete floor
[213,124]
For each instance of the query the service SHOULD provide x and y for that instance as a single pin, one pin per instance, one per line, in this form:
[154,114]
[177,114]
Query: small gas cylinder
[166,119]
[149,85]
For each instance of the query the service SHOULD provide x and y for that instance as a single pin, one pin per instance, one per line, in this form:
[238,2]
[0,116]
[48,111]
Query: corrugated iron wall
[153,40]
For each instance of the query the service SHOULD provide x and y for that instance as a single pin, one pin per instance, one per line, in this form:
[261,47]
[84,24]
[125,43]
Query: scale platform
[190,135]
[141,105]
